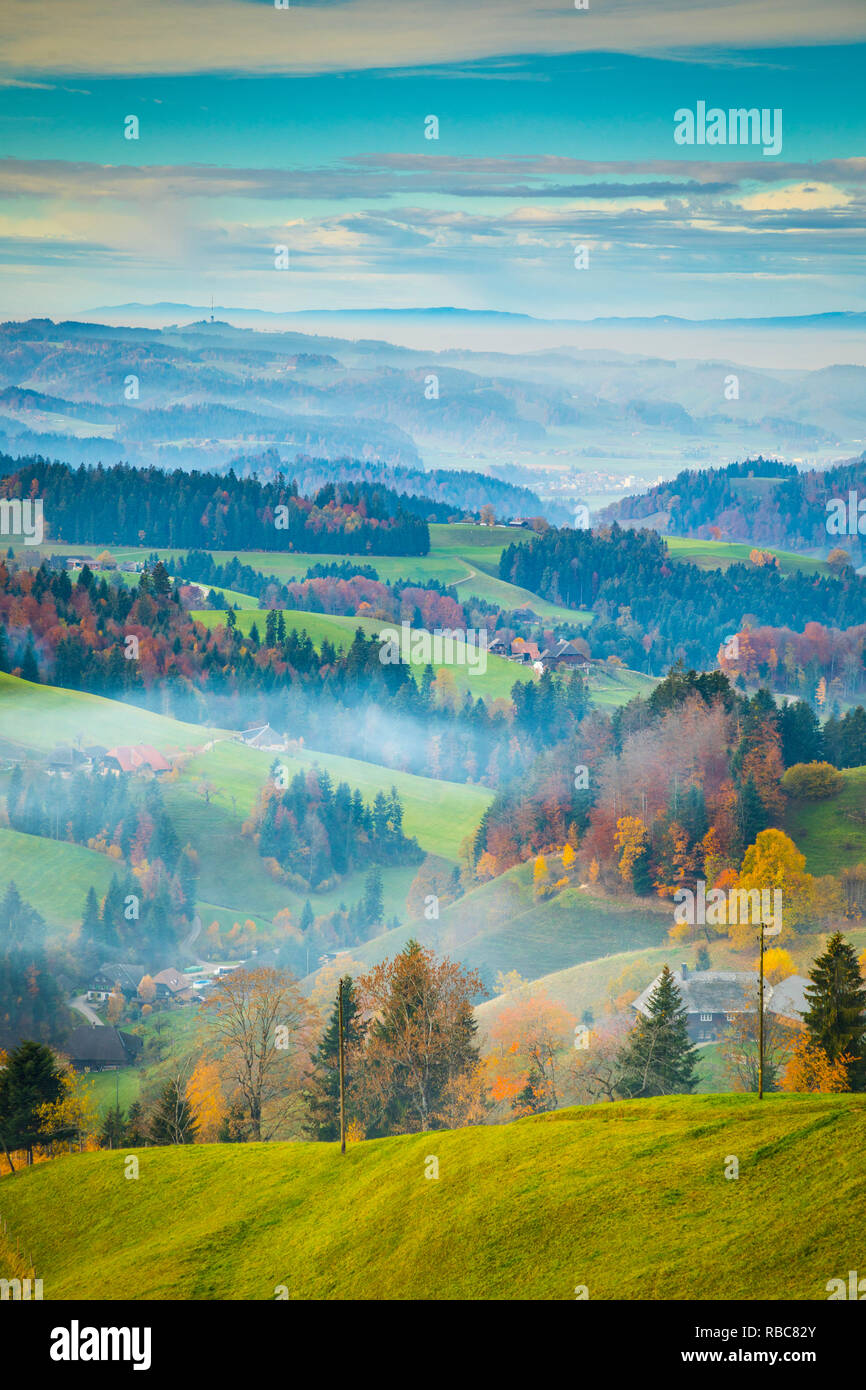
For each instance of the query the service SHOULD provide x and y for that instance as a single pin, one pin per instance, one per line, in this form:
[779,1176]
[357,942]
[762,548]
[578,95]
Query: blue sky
[305,128]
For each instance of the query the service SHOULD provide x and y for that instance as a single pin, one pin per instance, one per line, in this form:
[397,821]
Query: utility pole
[342,1072]
[770,931]
[761,1019]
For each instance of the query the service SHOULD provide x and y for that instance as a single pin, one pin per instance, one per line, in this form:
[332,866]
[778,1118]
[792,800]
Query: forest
[148,506]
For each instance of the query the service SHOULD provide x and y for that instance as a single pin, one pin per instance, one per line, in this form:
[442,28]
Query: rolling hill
[611,1199]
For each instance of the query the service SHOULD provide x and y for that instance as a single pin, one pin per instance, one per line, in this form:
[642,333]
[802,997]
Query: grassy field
[721,554]
[464,555]
[41,716]
[233,884]
[440,814]
[496,681]
[831,834]
[52,876]
[616,1199]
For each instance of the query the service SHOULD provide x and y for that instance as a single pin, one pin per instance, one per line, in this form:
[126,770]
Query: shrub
[813,781]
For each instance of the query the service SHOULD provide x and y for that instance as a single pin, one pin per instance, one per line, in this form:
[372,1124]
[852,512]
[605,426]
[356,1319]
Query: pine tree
[30,1079]
[323,1094]
[751,813]
[657,1058]
[173,1121]
[113,1130]
[29,668]
[836,1017]
[374,901]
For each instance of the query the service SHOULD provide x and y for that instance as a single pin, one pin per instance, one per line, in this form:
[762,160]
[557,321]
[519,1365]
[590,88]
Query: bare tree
[262,1029]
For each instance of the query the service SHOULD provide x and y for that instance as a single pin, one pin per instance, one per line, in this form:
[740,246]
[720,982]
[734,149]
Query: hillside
[832,834]
[501,925]
[529,1210]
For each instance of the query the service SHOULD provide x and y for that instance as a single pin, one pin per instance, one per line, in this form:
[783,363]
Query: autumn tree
[260,1027]
[810,1069]
[527,1040]
[420,1039]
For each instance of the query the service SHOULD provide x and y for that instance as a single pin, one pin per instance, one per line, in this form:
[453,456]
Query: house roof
[88,1043]
[730,991]
[64,755]
[707,991]
[133,757]
[788,998]
[262,736]
[519,646]
[172,979]
[120,973]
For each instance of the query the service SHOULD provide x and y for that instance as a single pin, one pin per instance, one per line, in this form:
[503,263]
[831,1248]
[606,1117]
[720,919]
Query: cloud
[189,36]
[372,177]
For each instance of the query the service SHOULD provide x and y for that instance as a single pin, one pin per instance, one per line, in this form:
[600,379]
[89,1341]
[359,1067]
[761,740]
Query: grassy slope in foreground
[630,1200]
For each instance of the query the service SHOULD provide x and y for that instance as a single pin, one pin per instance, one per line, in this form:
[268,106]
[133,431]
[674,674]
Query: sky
[555,188]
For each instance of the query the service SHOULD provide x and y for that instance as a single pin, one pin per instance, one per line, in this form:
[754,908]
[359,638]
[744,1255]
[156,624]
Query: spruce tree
[836,1017]
[173,1121]
[657,1058]
[751,813]
[323,1094]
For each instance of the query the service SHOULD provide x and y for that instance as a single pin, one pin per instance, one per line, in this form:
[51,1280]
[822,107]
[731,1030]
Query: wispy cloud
[187,36]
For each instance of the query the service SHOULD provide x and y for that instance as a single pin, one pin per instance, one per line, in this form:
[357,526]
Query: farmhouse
[567,655]
[138,758]
[102,1049]
[63,760]
[263,737]
[524,651]
[113,976]
[170,984]
[715,999]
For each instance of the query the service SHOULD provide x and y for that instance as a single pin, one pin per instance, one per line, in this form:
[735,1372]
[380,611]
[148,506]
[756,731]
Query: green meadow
[628,1201]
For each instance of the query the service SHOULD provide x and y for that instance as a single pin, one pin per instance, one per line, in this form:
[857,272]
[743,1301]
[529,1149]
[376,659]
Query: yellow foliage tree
[205,1096]
[486,866]
[629,838]
[147,989]
[539,871]
[810,1069]
[774,863]
[568,857]
[778,965]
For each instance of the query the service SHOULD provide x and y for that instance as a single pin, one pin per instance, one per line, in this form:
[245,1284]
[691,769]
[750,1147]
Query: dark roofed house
[107,977]
[64,760]
[713,999]
[565,654]
[102,1049]
[170,984]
